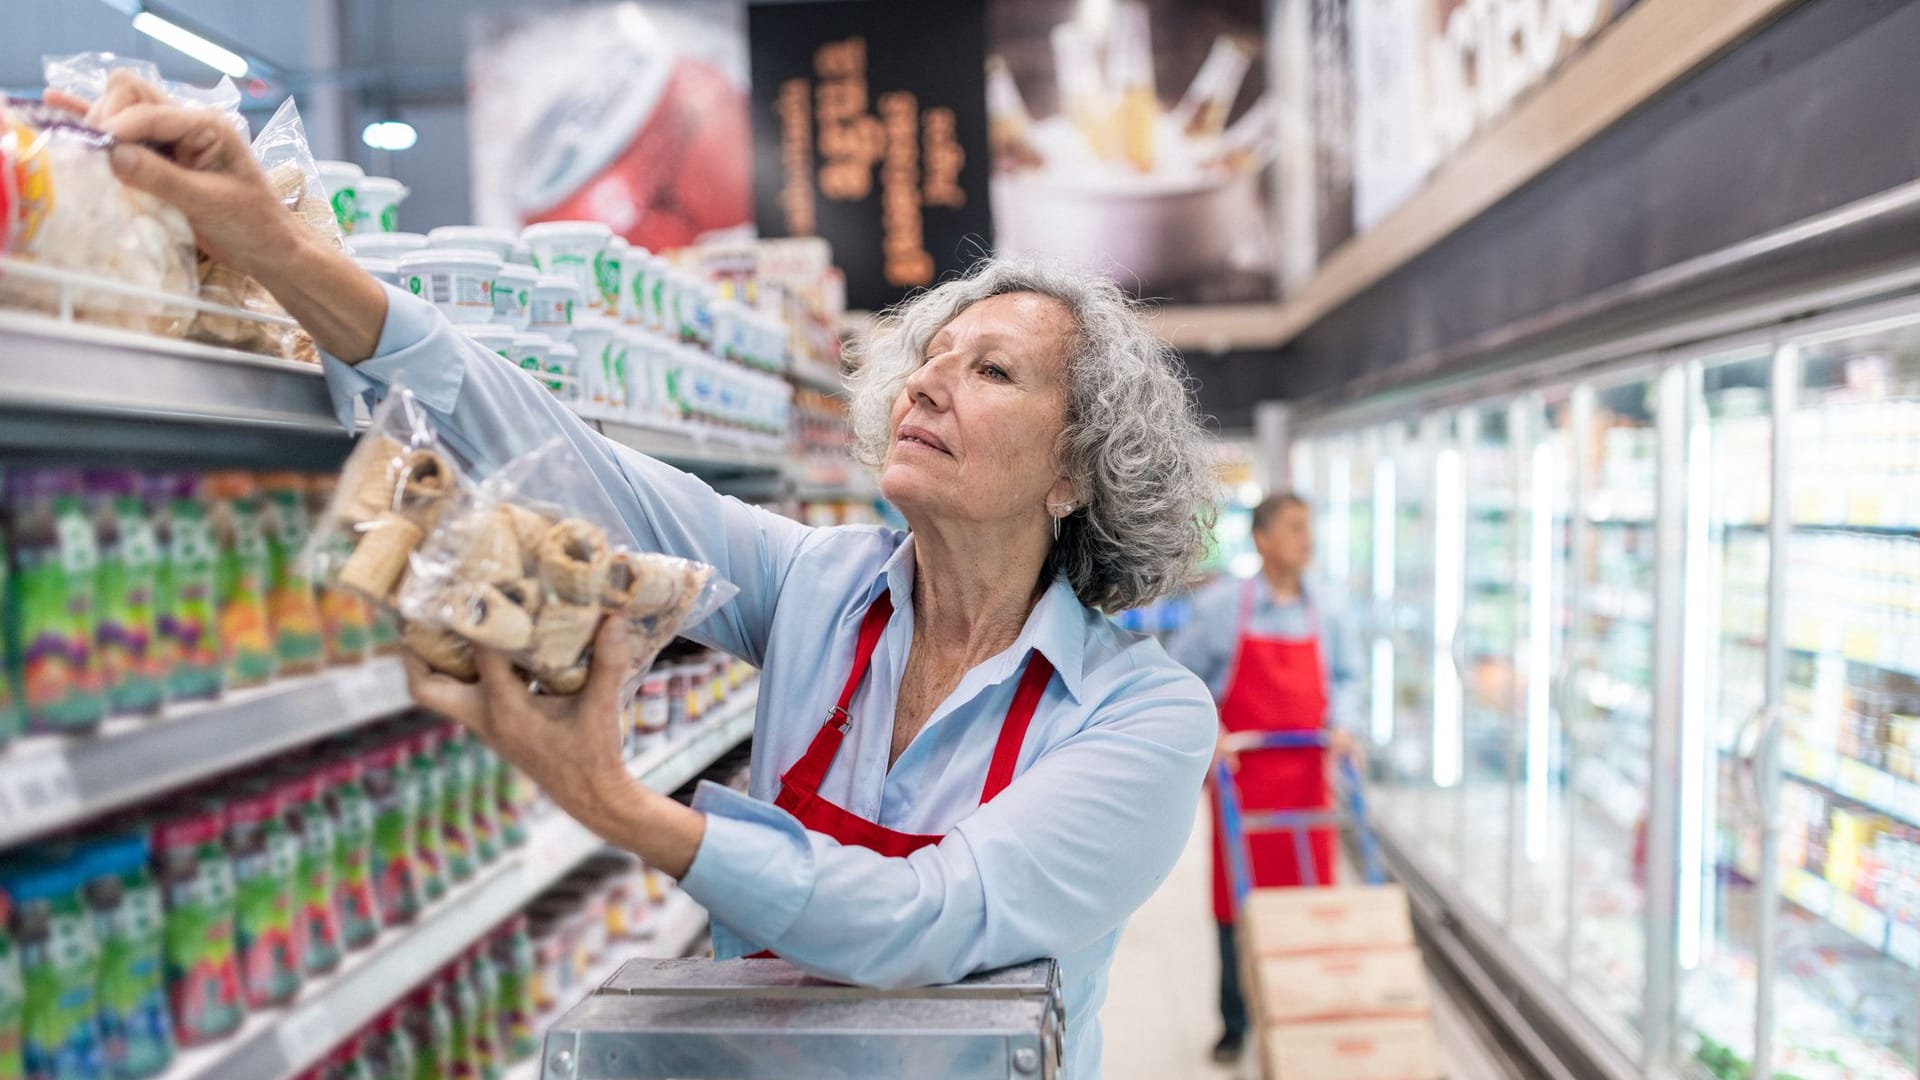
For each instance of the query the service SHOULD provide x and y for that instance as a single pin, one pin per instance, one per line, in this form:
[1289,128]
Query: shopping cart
[1349,810]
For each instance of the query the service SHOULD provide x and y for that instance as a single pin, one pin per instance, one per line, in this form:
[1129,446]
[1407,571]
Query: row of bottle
[1865,855]
[123,591]
[162,927]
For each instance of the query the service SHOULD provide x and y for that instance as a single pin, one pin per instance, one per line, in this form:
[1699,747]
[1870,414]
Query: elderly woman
[959,762]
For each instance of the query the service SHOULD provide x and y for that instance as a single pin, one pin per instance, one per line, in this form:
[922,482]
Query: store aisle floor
[1161,1016]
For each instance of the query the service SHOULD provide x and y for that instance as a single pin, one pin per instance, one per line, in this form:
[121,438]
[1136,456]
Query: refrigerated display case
[1668,767]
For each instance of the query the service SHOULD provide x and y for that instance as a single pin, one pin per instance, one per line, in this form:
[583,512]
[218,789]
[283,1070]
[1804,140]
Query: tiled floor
[1161,1017]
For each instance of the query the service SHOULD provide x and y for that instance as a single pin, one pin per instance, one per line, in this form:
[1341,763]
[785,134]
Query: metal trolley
[1349,811]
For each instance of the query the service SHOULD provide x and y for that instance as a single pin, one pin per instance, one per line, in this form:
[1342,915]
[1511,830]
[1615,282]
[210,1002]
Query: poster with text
[1136,139]
[870,131]
[634,114]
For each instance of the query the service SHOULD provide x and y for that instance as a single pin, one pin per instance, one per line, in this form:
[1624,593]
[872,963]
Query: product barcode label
[38,787]
[439,288]
[306,1034]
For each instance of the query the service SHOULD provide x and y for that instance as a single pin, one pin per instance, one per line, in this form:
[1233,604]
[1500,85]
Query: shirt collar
[1056,628]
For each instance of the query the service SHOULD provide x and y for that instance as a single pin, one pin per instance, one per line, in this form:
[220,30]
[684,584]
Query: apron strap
[808,773]
[1013,729]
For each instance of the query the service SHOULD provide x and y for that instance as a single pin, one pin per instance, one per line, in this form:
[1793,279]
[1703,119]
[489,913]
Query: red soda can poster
[631,114]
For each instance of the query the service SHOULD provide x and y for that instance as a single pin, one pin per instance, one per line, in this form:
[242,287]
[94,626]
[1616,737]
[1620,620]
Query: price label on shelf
[306,1034]
[37,787]
[1860,920]
[1903,944]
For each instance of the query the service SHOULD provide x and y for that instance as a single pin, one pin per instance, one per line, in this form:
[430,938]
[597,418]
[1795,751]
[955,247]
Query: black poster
[870,130]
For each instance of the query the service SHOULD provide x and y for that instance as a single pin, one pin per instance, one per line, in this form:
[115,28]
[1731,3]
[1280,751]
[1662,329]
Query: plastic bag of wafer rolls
[532,561]
[395,487]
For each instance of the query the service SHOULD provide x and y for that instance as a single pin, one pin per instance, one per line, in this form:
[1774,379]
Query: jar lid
[339,170]
[492,334]
[384,185]
[385,243]
[519,273]
[471,236]
[558,281]
[550,231]
[464,258]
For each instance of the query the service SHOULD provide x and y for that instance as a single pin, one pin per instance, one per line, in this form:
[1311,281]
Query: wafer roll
[367,486]
[491,552]
[640,584]
[565,683]
[562,633]
[444,651]
[380,558]
[483,615]
[573,561]
[529,527]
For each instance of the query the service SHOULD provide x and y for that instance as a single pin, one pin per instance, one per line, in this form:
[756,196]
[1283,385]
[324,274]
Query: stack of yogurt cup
[362,204]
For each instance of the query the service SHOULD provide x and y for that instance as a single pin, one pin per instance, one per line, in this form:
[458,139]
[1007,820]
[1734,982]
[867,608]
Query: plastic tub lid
[557,281]
[532,341]
[562,348]
[492,334]
[385,185]
[524,275]
[481,236]
[465,258]
[339,169]
[547,231]
[522,254]
[386,243]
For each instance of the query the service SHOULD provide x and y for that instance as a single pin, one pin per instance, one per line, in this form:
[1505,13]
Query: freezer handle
[1756,745]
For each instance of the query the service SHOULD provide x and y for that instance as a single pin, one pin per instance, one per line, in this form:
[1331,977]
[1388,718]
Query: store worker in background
[1278,655]
[960,762]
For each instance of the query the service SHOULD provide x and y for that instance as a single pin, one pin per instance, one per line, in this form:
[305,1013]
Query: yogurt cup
[382,268]
[342,181]
[495,337]
[633,284]
[550,310]
[379,209]
[458,282]
[529,352]
[522,254]
[563,372]
[577,249]
[386,245]
[498,242]
[611,277]
[513,294]
[593,340]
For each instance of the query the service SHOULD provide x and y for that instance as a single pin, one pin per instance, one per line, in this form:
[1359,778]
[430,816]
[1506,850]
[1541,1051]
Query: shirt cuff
[754,871]
[405,353]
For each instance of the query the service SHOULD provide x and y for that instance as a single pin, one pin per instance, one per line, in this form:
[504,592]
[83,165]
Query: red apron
[1275,684]
[800,785]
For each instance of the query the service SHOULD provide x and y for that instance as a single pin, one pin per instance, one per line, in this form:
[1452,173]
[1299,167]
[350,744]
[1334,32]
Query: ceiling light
[220,59]
[390,135]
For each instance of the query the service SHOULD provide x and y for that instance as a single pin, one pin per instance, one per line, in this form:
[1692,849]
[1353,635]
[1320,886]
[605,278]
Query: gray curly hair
[1133,445]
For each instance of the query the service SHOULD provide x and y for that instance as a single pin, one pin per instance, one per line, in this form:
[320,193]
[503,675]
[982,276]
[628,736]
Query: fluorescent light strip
[223,60]
[1546,478]
[1383,533]
[1701,631]
[1449,551]
[1382,712]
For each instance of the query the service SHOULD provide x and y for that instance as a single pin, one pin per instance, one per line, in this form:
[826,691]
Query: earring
[1056,530]
[1057,511]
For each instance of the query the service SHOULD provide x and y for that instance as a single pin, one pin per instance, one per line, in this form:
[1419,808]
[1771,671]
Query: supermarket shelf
[1818,897]
[48,782]
[1865,645]
[1855,528]
[709,453]
[280,1043]
[817,377]
[1852,780]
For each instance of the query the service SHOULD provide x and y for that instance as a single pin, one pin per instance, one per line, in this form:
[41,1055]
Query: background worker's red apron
[800,785]
[1276,684]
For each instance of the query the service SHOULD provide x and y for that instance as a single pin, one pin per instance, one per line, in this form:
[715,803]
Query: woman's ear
[1063,493]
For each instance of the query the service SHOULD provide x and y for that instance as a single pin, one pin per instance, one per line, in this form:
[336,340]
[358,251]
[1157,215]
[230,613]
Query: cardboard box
[1281,921]
[1329,985]
[1404,1049]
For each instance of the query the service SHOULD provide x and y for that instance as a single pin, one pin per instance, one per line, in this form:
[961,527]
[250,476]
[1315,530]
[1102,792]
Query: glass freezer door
[1403,497]
[1719,898]
[1847,996]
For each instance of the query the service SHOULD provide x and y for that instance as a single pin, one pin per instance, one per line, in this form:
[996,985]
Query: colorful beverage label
[246,632]
[319,923]
[489,1051]
[134,1023]
[203,972]
[53,615]
[486,807]
[466,1025]
[266,869]
[13,1000]
[189,603]
[60,967]
[131,660]
[299,632]
[356,901]
[431,1023]
[513,958]
[456,819]
[429,792]
[509,796]
[9,701]
[396,879]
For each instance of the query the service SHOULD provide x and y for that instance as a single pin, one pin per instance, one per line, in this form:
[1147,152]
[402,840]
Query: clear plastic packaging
[533,576]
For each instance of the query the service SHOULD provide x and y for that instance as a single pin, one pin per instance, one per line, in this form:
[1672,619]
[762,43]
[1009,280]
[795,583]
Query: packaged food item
[386,245]
[429,1019]
[496,242]
[635,263]
[390,1052]
[341,181]
[379,205]
[245,567]
[136,1031]
[591,340]
[317,917]
[465,1005]
[513,295]
[351,1060]
[131,666]
[512,951]
[457,281]
[67,211]
[396,879]
[529,352]
[495,337]
[13,996]
[490,1051]
[510,797]
[578,250]
[551,305]
[60,969]
[481,771]
[533,575]
[9,698]
[293,606]
[429,783]
[52,619]
[456,808]
[386,633]
[351,814]
[266,867]
[345,619]
[189,589]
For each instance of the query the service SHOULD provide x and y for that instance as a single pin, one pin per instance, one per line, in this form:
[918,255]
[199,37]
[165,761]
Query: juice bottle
[345,619]
[396,880]
[13,996]
[50,607]
[429,1020]
[9,700]
[390,1050]
[196,881]
[465,1005]
[299,637]
[423,765]
[188,614]
[510,797]
[60,969]
[384,637]
[351,814]
[318,920]
[489,1046]
[245,568]
[481,768]
[266,865]
[130,923]
[127,588]
[512,953]
[456,817]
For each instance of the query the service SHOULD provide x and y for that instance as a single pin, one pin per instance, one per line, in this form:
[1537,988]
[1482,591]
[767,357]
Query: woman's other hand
[570,746]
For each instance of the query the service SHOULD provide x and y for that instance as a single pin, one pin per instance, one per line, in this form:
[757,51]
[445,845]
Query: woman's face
[974,430]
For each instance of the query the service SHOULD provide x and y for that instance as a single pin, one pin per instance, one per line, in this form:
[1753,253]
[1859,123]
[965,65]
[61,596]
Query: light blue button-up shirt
[1208,643]
[1108,779]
